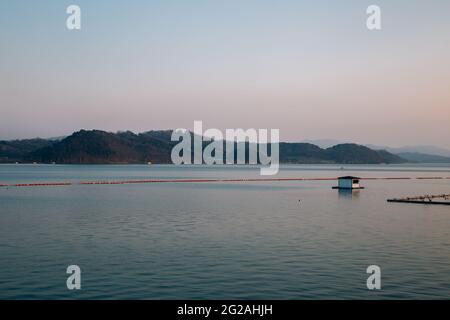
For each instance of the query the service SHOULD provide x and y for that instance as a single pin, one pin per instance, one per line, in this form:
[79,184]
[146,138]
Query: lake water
[259,240]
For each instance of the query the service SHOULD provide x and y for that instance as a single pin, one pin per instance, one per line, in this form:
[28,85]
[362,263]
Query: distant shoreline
[323,166]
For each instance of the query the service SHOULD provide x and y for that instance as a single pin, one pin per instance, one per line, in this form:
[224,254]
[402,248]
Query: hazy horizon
[312,70]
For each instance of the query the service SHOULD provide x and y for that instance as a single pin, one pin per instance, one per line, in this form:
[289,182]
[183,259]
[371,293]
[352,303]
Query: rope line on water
[121,182]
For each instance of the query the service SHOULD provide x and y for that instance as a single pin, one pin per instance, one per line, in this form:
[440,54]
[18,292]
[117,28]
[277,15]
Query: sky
[311,69]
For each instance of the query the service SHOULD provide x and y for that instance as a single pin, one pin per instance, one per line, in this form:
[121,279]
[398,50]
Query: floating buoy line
[122,182]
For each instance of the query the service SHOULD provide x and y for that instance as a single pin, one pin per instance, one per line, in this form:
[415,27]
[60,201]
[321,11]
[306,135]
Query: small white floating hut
[349,183]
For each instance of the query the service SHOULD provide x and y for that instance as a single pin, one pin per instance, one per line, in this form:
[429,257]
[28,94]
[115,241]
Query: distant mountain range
[429,150]
[423,158]
[421,154]
[100,147]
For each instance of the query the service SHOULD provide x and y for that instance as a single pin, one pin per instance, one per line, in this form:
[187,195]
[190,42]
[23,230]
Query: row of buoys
[50,184]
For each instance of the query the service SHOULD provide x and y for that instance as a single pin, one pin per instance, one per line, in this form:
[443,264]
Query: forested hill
[100,147]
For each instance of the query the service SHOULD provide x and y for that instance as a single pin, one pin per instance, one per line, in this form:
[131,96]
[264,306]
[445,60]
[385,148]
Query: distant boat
[149,163]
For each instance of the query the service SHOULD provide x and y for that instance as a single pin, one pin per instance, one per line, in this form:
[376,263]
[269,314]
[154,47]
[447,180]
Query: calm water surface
[262,240]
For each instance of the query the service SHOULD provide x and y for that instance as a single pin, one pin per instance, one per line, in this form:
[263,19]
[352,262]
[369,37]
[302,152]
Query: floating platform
[442,199]
[349,183]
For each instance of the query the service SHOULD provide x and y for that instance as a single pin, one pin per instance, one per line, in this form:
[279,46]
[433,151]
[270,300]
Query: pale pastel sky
[308,68]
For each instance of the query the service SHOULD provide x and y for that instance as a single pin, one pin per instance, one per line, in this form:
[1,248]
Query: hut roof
[348,178]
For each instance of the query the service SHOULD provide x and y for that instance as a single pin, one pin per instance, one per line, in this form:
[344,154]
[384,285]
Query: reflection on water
[221,240]
[349,193]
